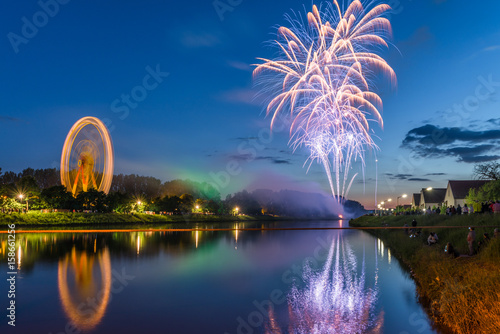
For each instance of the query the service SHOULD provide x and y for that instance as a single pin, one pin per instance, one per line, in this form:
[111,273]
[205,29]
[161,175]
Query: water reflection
[19,252]
[200,272]
[334,299]
[236,232]
[87,306]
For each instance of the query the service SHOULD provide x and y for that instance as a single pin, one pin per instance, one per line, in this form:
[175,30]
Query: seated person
[432,239]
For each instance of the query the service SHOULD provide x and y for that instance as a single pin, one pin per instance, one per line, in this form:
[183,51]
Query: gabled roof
[416,199]
[460,189]
[436,195]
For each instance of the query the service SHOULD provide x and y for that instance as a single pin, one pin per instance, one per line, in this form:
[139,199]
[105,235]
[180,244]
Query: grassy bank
[71,219]
[463,293]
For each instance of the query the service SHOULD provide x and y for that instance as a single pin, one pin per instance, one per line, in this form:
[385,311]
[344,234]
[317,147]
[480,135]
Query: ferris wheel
[87,159]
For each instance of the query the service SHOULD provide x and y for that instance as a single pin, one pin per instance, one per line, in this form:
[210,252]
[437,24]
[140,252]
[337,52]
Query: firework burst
[321,78]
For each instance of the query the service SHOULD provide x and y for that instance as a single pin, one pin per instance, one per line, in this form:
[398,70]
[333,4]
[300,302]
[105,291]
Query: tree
[213,206]
[9,178]
[47,177]
[487,171]
[488,192]
[7,203]
[245,202]
[170,204]
[57,197]
[200,205]
[119,202]
[27,185]
[187,203]
[92,200]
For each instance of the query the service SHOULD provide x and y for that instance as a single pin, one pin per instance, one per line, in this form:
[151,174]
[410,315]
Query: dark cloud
[494,121]
[250,157]
[481,158]
[398,176]
[281,162]
[435,174]
[418,179]
[242,157]
[430,141]
[275,160]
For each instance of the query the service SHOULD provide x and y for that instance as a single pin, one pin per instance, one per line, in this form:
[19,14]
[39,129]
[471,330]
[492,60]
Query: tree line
[42,190]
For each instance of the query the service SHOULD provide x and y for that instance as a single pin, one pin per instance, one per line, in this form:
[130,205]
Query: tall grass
[462,294]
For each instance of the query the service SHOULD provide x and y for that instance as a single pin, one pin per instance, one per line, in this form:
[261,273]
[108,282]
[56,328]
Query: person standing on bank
[470,240]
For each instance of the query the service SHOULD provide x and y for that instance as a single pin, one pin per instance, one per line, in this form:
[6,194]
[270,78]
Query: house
[458,190]
[415,201]
[432,198]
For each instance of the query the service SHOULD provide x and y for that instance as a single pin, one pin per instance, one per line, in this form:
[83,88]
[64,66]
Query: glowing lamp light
[429,189]
[21,196]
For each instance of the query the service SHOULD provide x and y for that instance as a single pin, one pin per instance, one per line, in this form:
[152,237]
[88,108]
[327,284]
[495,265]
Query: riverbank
[36,219]
[461,294]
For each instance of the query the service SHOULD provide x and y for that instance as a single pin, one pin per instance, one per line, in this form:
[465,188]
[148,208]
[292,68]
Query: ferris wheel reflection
[87,305]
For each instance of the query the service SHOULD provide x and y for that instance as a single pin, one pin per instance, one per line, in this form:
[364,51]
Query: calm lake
[288,281]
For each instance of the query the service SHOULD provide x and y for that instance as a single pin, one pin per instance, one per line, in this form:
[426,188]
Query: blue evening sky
[204,113]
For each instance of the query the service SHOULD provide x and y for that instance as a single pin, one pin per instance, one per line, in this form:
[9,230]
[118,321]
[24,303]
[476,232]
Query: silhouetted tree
[487,171]
[92,200]
[57,197]
[119,202]
[187,203]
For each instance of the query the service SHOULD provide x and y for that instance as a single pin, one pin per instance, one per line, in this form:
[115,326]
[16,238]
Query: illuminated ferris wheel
[87,159]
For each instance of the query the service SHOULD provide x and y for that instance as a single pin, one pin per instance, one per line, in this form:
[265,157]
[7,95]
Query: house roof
[460,189]
[416,199]
[436,195]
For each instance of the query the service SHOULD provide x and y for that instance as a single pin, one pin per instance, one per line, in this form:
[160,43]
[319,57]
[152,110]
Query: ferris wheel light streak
[87,159]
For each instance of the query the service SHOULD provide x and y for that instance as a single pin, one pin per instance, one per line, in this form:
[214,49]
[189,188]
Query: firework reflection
[334,299]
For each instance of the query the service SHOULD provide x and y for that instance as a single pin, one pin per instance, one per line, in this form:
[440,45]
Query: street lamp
[397,199]
[21,196]
[382,204]
[236,209]
[429,189]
